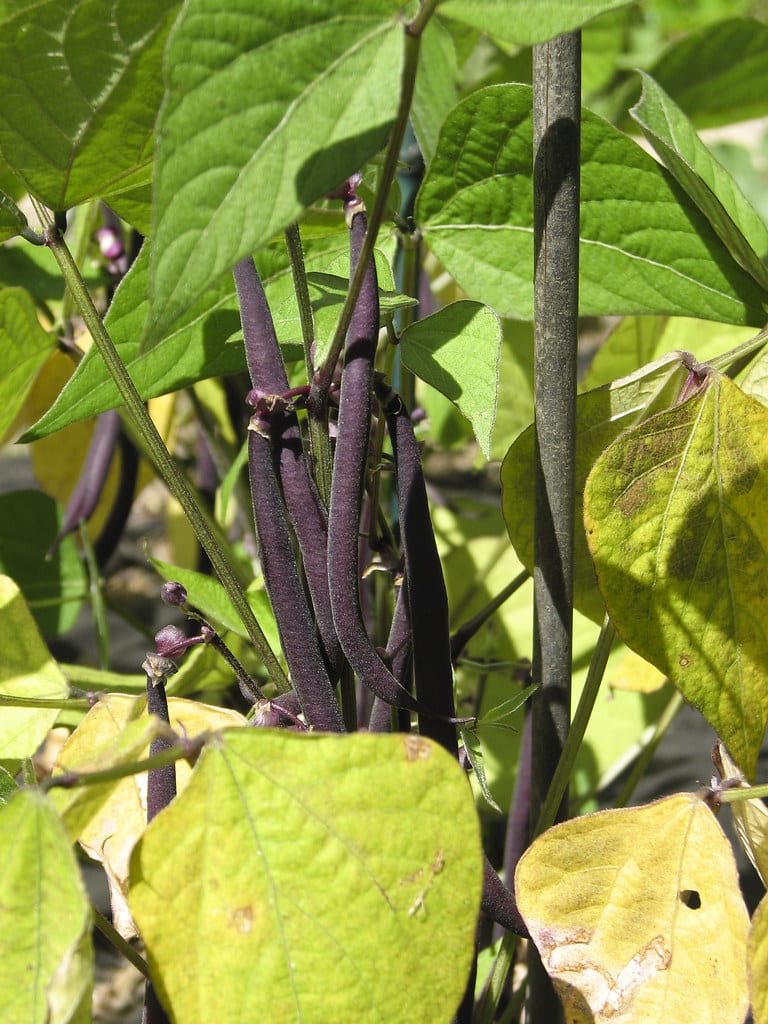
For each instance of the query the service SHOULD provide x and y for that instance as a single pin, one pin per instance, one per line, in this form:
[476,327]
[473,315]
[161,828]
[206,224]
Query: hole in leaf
[690,898]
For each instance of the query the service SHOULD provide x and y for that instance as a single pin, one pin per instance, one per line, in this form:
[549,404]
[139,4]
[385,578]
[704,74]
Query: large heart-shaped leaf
[645,248]
[81,84]
[638,916]
[674,517]
[262,116]
[307,904]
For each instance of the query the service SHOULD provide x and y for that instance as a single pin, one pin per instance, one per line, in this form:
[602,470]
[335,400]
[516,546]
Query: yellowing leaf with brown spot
[758,963]
[117,822]
[638,916]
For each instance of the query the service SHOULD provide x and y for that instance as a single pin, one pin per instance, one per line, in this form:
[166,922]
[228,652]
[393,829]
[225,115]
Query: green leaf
[24,347]
[601,416]
[705,181]
[12,220]
[8,786]
[674,517]
[644,247]
[262,116]
[384,920]
[81,84]
[26,670]
[638,915]
[328,289]
[641,339]
[515,378]
[46,957]
[53,587]
[198,347]
[474,752]
[437,86]
[456,350]
[719,73]
[523,22]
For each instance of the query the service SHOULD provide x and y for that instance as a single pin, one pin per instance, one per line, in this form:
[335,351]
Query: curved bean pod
[295,622]
[302,501]
[427,597]
[348,483]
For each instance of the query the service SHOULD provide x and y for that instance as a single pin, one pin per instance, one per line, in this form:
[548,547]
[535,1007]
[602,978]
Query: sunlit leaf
[601,416]
[456,350]
[673,511]
[758,963]
[705,181]
[26,670]
[81,84]
[638,916]
[644,247]
[750,817]
[46,958]
[520,21]
[634,673]
[382,923]
[262,116]
[108,824]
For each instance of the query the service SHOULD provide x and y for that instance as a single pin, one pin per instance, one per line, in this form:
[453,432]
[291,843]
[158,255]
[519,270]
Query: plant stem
[578,727]
[318,425]
[114,938]
[412,45]
[556,143]
[155,448]
[71,779]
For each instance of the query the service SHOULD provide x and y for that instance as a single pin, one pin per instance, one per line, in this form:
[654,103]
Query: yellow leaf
[638,916]
[111,832]
[636,674]
[750,817]
[758,963]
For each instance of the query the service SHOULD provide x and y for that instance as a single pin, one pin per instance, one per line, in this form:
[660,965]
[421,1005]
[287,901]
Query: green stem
[115,939]
[737,794]
[641,764]
[425,12]
[578,727]
[412,45]
[62,703]
[319,440]
[178,752]
[155,448]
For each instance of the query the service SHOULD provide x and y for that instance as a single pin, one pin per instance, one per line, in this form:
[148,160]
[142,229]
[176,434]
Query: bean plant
[281,263]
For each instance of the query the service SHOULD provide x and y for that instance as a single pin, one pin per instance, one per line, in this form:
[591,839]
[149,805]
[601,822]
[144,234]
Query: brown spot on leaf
[241,919]
[416,748]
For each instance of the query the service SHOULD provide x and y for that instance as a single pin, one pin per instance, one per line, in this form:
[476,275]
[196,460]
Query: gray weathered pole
[556,117]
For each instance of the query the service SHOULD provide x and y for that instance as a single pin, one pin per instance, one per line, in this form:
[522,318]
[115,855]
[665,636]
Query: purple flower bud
[174,594]
[347,189]
[110,243]
[171,641]
[266,715]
